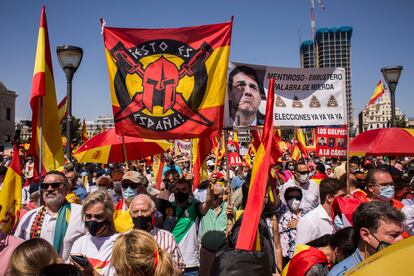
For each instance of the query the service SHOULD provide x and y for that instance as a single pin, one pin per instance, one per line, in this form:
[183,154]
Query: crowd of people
[98,219]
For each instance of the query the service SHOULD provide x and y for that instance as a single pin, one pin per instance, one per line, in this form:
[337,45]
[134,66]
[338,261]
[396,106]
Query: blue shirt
[80,191]
[347,264]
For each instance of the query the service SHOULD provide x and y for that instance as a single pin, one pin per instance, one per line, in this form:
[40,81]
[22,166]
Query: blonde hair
[137,253]
[101,196]
[31,256]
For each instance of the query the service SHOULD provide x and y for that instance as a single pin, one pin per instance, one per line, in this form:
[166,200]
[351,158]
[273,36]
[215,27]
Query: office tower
[331,48]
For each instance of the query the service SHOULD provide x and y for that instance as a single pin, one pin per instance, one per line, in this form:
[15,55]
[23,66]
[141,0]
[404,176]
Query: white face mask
[293,204]
[303,178]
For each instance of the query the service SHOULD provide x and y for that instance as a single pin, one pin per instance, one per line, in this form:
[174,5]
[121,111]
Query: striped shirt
[166,242]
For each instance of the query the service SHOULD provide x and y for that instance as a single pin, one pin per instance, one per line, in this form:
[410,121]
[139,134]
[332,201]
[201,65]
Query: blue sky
[264,32]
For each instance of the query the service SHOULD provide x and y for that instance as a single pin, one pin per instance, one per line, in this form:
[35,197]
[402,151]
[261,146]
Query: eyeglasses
[132,185]
[302,172]
[385,184]
[54,185]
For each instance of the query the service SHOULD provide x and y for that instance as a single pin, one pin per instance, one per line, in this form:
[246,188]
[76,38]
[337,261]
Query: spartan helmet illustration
[159,83]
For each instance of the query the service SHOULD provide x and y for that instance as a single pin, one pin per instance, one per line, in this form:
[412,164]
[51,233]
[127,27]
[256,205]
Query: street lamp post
[69,59]
[392,75]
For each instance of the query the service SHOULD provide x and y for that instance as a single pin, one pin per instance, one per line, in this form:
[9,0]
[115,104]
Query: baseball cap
[135,177]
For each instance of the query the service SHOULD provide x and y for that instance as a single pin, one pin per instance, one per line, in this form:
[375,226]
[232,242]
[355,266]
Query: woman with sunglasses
[95,248]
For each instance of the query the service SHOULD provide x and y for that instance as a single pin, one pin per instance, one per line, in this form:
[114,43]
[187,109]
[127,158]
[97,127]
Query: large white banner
[303,96]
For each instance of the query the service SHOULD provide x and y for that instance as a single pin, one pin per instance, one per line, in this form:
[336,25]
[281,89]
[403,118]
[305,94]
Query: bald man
[143,213]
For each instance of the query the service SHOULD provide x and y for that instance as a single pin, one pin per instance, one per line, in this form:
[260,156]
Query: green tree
[75,130]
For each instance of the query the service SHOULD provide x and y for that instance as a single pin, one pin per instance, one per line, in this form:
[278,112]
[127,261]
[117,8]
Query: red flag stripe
[255,200]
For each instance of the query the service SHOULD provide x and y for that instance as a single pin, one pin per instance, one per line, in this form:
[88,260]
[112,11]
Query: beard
[53,199]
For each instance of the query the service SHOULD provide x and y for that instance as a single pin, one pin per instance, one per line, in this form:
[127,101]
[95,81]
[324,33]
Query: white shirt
[75,229]
[200,195]
[310,194]
[314,225]
[98,250]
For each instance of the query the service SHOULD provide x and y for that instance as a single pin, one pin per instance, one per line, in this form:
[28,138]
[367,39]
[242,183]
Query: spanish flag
[378,91]
[63,109]
[296,154]
[157,168]
[84,132]
[301,142]
[11,195]
[44,108]
[201,148]
[168,83]
[248,230]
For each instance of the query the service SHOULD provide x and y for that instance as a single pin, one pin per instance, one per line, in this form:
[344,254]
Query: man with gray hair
[143,213]
[57,221]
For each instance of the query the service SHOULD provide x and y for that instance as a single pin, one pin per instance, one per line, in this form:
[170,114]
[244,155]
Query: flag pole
[125,152]
[191,159]
[347,170]
[40,150]
[226,150]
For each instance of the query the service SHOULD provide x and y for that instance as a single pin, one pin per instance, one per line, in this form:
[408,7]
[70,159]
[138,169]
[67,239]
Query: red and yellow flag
[44,106]
[258,183]
[301,142]
[63,109]
[11,195]
[84,132]
[157,168]
[296,153]
[168,83]
[378,91]
[201,148]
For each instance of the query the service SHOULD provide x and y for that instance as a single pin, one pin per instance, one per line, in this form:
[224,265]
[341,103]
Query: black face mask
[94,227]
[181,197]
[142,222]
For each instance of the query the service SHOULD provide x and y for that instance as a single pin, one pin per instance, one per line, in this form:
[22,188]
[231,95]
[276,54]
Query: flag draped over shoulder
[11,194]
[168,83]
[201,148]
[258,183]
[378,91]
[43,90]
[63,109]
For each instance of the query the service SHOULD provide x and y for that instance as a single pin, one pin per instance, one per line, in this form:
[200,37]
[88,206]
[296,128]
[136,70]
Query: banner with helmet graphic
[168,83]
[303,96]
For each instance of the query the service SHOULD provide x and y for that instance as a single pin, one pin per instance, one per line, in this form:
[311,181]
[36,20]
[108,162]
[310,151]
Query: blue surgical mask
[244,174]
[387,192]
[129,193]
[339,224]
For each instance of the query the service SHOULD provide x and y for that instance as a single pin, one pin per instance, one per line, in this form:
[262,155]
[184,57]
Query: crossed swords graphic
[127,62]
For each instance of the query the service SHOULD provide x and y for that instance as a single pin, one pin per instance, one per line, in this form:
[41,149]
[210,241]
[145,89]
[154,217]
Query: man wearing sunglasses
[310,190]
[57,221]
[376,225]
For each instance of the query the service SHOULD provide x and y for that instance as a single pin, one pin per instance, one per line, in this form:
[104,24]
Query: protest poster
[331,141]
[303,96]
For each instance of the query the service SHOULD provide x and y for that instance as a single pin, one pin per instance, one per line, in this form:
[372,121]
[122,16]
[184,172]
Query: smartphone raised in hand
[80,260]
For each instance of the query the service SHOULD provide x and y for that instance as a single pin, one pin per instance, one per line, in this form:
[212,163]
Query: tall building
[307,54]
[378,115]
[331,47]
[7,113]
